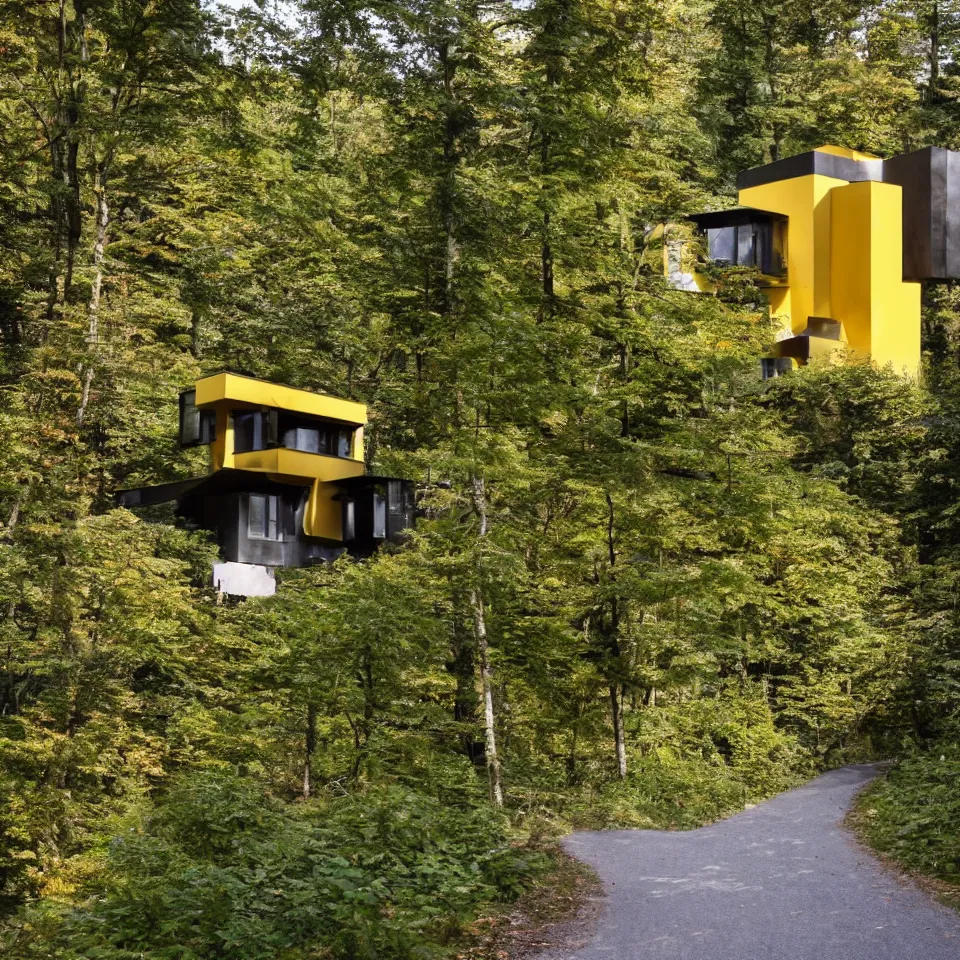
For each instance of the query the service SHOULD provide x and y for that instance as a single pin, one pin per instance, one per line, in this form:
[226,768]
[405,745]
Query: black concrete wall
[930,179]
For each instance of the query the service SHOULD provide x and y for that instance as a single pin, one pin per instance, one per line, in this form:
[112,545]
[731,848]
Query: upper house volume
[287,485]
[842,241]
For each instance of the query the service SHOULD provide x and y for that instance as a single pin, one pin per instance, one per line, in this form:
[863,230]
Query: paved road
[783,881]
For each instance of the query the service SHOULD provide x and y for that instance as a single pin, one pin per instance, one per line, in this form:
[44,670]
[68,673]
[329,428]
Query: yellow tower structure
[844,254]
[843,241]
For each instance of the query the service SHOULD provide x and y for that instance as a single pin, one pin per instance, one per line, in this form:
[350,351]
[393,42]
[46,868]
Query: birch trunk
[616,706]
[483,654]
[102,221]
[616,714]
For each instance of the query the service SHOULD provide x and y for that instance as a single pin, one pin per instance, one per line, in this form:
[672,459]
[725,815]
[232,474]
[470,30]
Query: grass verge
[910,817]
[559,910]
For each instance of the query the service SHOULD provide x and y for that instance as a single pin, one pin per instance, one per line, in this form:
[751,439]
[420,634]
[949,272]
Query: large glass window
[315,436]
[379,516]
[394,496]
[722,244]
[349,520]
[263,517]
[208,426]
[189,419]
[196,426]
[248,432]
[307,439]
[748,245]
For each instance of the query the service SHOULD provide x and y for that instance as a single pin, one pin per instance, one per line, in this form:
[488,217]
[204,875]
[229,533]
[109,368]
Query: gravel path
[783,881]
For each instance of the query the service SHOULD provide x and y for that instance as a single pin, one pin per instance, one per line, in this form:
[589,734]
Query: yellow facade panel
[806,202]
[259,393]
[852,261]
[296,463]
[878,309]
[896,337]
[221,450]
[323,515]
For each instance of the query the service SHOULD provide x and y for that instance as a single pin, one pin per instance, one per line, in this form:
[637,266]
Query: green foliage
[218,869]
[911,813]
[661,794]
[447,212]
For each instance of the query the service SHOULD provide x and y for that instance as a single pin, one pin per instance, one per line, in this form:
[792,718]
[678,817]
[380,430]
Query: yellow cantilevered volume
[841,284]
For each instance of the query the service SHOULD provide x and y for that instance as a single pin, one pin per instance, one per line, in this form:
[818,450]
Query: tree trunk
[552,78]
[772,69]
[616,714]
[616,707]
[14,516]
[486,679]
[463,667]
[64,156]
[102,222]
[935,53]
[448,189]
[483,654]
[195,332]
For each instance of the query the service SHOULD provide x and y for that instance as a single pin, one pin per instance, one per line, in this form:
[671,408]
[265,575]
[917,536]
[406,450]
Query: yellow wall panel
[357,451]
[807,202]
[881,313]
[323,515]
[260,393]
[221,450]
[296,463]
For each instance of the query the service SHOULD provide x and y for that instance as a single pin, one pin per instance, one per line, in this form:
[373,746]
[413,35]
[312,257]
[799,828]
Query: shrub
[913,812]
[216,869]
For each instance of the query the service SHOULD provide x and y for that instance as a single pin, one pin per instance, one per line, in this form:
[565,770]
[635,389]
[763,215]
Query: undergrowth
[217,870]
[911,814]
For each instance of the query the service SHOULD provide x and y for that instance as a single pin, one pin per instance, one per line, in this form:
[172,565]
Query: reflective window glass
[247,432]
[349,520]
[379,516]
[208,426]
[746,246]
[722,244]
[263,514]
[307,439]
[189,419]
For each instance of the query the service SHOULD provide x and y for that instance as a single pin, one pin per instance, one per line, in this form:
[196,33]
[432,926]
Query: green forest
[646,588]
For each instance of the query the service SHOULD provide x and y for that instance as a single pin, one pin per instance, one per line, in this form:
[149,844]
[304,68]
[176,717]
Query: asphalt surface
[782,881]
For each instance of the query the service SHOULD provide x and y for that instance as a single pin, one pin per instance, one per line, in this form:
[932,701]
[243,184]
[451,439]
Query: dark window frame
[196,428]
[745,238]
[272,518]
[380,514]
[333,439]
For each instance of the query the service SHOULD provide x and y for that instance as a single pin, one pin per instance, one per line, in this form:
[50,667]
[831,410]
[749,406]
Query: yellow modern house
[287,485]
[842,241]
